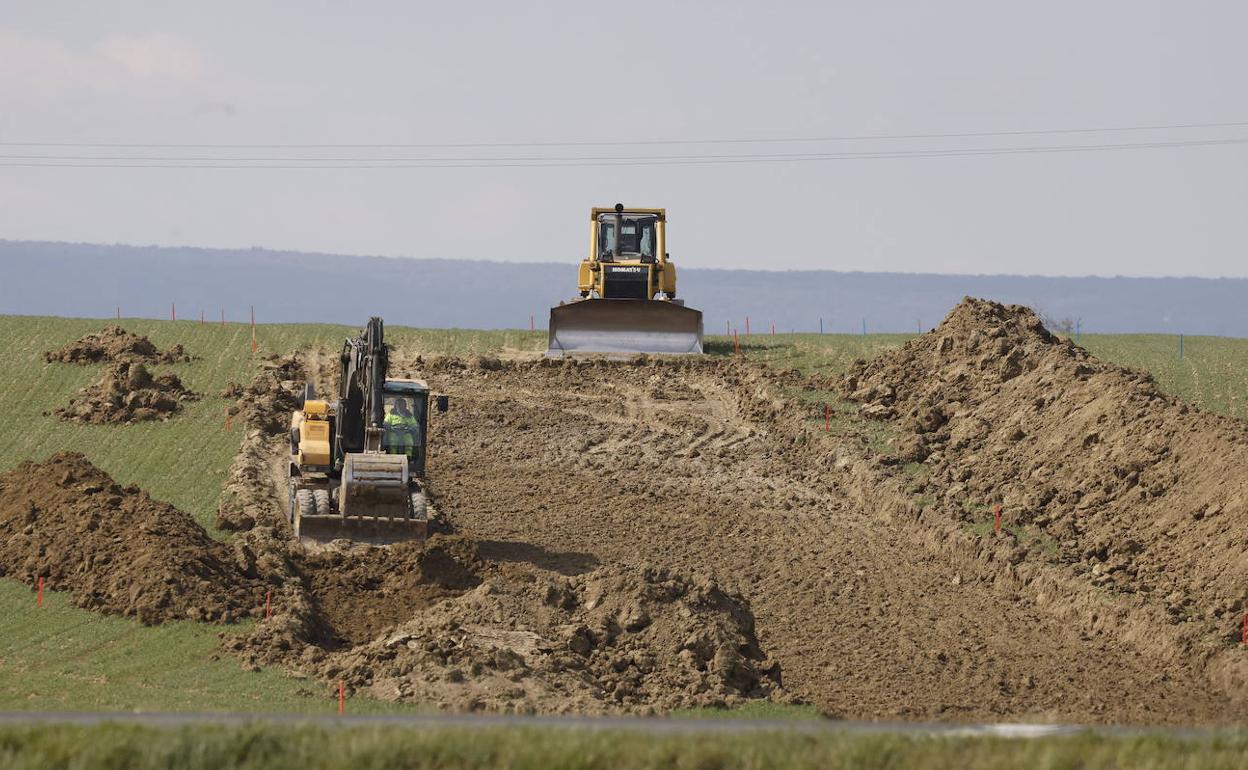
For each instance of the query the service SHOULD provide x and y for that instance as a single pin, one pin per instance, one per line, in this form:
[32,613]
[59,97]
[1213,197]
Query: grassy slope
[62,657]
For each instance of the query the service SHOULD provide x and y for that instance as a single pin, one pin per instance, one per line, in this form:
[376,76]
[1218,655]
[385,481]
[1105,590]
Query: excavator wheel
[420,506]
[321,498]
[306,502]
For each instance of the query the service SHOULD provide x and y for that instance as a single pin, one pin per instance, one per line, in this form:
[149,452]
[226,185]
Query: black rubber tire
[420,507]
[305,502]
[321,498]
[290,504]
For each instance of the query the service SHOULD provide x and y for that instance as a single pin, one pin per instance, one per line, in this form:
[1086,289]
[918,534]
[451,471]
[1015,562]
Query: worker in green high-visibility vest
[402,429]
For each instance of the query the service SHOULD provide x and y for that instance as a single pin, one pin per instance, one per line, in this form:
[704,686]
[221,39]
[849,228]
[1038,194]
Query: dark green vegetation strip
[314,748]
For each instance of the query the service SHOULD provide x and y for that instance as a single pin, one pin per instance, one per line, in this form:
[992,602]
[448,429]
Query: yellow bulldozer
[627,286]
[357,463]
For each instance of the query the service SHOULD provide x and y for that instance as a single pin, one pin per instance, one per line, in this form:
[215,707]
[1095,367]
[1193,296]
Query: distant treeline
[68,279]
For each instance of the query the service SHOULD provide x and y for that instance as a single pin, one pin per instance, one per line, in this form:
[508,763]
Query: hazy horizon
[490,260]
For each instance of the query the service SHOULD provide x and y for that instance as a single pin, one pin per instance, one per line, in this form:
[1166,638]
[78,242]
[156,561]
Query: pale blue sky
[405,72]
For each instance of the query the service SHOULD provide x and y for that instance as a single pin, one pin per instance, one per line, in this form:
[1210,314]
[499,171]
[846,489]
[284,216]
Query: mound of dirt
[1097,471]
[127,392]
[113,548]
[256,478]
[113,344]
[617,638]
[441,625]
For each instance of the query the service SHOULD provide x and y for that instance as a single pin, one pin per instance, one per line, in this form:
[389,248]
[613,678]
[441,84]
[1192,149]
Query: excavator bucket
[375,505]
[624,326]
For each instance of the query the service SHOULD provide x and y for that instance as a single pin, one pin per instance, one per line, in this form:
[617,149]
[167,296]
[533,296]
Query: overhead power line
[192,162]
[628,143]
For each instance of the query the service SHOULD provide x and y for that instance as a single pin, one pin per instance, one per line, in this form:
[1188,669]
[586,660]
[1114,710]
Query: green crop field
[60,657]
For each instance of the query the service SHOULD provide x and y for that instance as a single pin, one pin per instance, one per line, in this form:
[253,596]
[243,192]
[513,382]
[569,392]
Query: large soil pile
[112,344]
[1097,470]
[127,392]
[619,637]
[113,548]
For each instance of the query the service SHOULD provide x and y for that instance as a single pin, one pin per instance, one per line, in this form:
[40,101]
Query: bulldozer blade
[319,530]
[624,326]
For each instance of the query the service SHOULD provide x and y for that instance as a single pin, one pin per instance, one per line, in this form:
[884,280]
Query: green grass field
[372,748]
[60,657]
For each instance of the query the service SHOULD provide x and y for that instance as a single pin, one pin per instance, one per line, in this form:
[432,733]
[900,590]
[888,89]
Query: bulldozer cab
[627,236]
[406,407]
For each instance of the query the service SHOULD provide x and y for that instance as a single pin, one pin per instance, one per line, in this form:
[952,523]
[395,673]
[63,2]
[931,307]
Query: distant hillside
[67,279]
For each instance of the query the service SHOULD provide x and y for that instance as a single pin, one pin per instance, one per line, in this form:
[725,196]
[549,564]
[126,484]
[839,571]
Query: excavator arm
[361,385]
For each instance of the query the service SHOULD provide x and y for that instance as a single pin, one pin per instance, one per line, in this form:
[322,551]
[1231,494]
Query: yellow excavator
[627,285]
[357,463]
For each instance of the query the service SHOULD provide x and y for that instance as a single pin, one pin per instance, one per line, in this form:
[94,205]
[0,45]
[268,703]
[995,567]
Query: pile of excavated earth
[126,391]
[114,548]
[113,344]
[650,535]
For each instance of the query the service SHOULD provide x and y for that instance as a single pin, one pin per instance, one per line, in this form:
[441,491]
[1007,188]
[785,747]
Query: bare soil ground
[702,466]
[657,534]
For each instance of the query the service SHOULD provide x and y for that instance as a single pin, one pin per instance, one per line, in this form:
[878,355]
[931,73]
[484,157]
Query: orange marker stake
[996,524]
[530,323]
[39,594]
[342,698]
[747,326]
[173,311]
[223,316]
[201,318]
[1246,628]
[773,330]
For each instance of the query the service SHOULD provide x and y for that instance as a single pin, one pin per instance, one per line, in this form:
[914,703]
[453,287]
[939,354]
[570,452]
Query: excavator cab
[406,407]
[627,288]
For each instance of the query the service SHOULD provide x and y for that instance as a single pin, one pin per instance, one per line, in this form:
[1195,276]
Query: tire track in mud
[686,465]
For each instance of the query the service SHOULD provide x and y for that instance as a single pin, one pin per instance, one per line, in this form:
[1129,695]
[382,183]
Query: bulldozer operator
[402,428]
